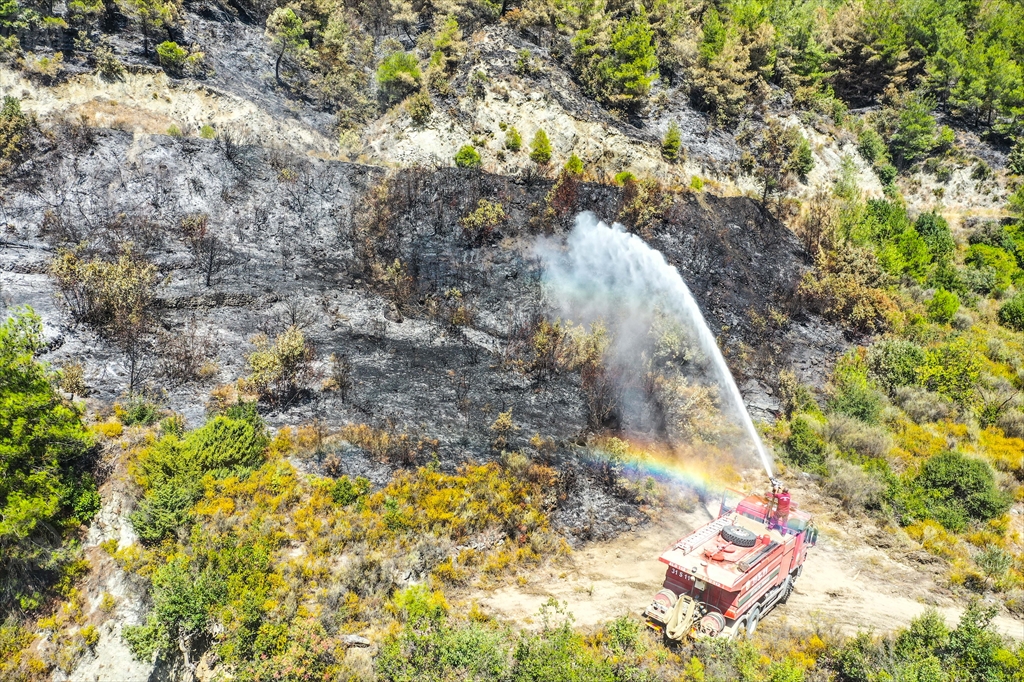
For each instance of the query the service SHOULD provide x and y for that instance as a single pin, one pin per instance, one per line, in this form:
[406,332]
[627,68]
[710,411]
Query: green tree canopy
[540,147]
[628,71]
[284,28]
[45,488]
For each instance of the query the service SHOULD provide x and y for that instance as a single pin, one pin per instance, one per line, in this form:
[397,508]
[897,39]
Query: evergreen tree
[773,156]
[45,490]
[574,166]
[802,162]
[627,72]
[1016,161]
[284,29]
[540,148]
[149,15]
[712,34]
[672,143]
[513,140]
[914,136]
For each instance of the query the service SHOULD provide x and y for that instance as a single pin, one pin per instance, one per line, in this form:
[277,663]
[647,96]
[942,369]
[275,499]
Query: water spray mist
[607,269]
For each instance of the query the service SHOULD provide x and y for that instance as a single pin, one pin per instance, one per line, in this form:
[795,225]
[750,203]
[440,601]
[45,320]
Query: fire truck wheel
[739,536]
[740,628]
[753,621]
[787,589]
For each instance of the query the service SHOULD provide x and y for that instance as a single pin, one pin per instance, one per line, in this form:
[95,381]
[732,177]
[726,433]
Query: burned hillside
[416,290]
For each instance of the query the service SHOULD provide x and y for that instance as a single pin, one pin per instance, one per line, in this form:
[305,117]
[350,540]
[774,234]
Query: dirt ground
[858,577]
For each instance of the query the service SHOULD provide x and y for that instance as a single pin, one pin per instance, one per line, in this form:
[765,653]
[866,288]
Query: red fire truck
[725,576]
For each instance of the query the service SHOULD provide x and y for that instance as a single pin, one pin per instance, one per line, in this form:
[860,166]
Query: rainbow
[702,471]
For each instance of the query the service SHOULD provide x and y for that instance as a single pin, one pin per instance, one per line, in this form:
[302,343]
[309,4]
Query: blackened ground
[292,249]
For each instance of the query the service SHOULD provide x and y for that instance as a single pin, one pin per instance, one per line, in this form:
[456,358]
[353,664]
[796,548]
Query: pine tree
[628,71]
[574,166]
[150,15]
[1016,161]
[284,29]
[773,156]
[671,144]
[513,140]
[914,136]
[713,35]
[540,148]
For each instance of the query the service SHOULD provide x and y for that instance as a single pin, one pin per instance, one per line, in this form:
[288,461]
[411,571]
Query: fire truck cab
[726,575]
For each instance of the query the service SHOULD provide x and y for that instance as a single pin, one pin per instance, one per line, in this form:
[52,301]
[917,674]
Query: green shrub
[1004,264]
[430,647]
[398,75]
[980,280]
[671,143]
[172,57]
[420,106]
[847,285]
[138,410]
[944,139]
[697,183]
[14,128]
[558,652]
[943,306]
[513,140]
[958,488]
[207,132]
[894,362]
[927,651]
[526,65]
[882,222]
[467,157]
[802,161]
[952,370]
[481,222]
[886,173]
[947,276]
[853,394]
[871,145]
[624,177]
[906,255]
[346,490]
[172,469]
[280,367]
[1011,313]
[46,490]
[935,232]
[174,131]
[804,447]
[540,148]
[108,66]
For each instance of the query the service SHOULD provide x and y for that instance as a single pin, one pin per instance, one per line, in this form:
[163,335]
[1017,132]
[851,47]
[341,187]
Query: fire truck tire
[753,620]
[739,628]
[787,589]
[739,536]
